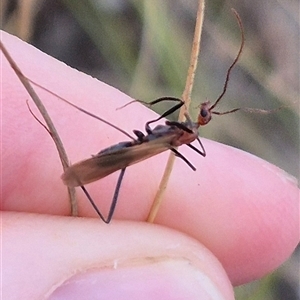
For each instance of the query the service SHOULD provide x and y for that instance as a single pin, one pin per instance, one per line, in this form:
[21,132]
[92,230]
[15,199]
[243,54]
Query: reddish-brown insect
[120,156]
[159,139]
[143,146]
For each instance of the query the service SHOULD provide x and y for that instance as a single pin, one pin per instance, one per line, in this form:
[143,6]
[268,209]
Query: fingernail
[169,279]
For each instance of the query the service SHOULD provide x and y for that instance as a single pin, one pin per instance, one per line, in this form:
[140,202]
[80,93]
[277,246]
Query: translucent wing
[113,159]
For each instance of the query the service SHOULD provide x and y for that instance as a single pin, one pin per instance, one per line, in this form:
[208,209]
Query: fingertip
[242,208]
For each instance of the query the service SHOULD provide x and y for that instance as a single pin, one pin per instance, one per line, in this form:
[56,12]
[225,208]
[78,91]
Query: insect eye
[203,113]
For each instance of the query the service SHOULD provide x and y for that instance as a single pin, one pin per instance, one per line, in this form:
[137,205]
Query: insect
[120,156]
[157,140]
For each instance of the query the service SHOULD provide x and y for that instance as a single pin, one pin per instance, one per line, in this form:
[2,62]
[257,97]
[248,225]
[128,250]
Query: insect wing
[108,162]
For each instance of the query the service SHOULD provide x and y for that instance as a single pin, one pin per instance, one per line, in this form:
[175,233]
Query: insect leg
[178,154]
[203,152]
[166,113]
[113,203]
[185,128]
[115,197]
[93,204]
[165,99]
[179,125]
[139,135]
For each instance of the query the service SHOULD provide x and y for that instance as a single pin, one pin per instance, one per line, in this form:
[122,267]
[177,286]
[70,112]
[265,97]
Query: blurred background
[143,48]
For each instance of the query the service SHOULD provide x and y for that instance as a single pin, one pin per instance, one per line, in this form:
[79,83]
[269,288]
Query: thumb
[75,258]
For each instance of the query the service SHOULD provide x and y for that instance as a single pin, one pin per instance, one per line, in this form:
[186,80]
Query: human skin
[235,209]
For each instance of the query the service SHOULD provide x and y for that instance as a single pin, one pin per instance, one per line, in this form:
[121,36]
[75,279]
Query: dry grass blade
[51,128]
[186,96]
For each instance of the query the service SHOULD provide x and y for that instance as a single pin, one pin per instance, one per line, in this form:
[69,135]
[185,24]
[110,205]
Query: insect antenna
[209,110]
[230,68]
[206,110]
